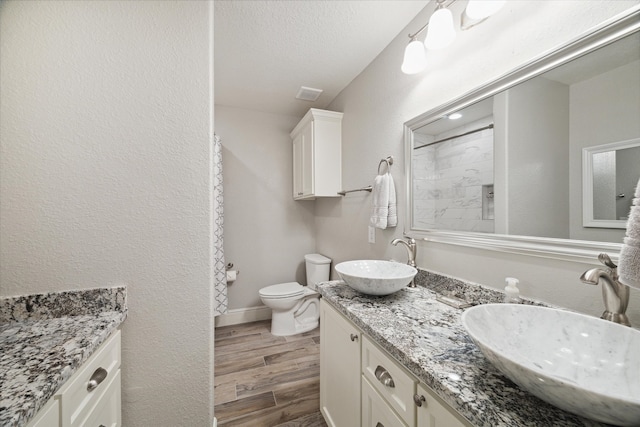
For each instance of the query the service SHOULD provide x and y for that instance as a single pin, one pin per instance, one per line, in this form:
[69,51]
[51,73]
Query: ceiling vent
[308,93]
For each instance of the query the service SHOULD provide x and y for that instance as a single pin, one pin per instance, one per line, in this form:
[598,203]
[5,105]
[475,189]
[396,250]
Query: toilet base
[304,317]
[285,330]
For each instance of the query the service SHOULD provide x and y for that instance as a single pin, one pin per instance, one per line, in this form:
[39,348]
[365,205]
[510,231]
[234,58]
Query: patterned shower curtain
[220,273]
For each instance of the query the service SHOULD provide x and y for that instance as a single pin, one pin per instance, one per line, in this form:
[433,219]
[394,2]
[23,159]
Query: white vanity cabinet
[392,382]
[339,368]
[433,412]
[48,416]
[317,155]
[91,397]
[387,394]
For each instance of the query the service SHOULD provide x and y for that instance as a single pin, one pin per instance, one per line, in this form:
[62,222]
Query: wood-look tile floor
[264,380]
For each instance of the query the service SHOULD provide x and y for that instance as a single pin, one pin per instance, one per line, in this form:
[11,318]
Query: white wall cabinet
[317,155]
[339,368]
[388,394]
[91,397]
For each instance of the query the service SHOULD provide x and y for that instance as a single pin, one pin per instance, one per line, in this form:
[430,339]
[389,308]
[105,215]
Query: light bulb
[440,32]
[415,59]
[481,9]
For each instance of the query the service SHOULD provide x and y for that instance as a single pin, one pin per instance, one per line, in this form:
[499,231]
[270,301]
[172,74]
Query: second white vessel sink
[582,364]
[376,277]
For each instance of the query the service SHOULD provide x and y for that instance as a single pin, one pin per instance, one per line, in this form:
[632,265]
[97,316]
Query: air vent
[308,93]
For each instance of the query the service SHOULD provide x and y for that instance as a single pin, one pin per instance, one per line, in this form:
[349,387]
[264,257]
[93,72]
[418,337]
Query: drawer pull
[379,424]
[384,377]
[354,337]
[98,376]
[419,400]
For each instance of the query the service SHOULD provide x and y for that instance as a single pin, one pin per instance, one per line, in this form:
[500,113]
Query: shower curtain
[220,273]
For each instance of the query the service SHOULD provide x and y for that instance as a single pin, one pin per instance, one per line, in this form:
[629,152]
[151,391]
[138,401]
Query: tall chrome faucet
[614,293]
[410,246]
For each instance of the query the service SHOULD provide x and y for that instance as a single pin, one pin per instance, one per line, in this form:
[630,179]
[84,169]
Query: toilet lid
[282,290]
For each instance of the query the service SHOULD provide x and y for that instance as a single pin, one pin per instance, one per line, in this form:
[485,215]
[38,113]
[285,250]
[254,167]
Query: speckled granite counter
[45,338]
[427,337]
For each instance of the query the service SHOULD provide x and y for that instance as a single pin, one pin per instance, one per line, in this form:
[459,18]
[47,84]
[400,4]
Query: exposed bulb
[481,9]
[440,32]
[415,59]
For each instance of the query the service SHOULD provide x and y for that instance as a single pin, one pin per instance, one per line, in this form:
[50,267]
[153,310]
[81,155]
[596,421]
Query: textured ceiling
[265,50]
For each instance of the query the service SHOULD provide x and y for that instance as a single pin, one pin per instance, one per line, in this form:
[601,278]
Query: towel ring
[388,161]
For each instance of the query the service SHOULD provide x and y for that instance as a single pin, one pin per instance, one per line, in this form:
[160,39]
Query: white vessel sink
[376,277]
[582,364]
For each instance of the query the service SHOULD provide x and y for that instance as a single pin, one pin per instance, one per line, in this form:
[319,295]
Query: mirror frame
[588,219]
[583,251]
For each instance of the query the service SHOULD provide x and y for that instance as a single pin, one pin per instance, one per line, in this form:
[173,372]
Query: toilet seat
[282,290]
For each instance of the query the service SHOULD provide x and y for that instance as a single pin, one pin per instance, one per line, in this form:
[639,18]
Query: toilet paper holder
[229,267]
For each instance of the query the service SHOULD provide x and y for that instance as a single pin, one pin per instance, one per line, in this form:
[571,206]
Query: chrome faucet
[410,245]
[614,293]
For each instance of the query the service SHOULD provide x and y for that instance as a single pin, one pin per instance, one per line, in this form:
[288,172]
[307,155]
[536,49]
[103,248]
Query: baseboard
[243,315]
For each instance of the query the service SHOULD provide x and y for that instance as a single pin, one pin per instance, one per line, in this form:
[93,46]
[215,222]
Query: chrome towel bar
[368,188]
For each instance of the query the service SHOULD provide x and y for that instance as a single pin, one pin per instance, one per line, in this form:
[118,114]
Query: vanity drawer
[375,411]
[107,414]
[81,394]
[393,383]
[48,416]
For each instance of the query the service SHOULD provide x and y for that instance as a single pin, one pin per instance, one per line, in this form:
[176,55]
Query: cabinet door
[339,369]
[303,164]
[432,412]
[49,416]
[297,167]
[375,411]
[308,164]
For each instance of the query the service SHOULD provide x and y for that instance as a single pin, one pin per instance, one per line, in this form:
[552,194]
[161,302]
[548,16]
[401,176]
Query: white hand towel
[392,218]
[384,211]
[380,202]
[629,262]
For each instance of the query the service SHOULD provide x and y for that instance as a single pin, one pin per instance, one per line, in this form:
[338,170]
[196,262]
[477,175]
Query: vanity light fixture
[415,57]
[482,9]
[441,32]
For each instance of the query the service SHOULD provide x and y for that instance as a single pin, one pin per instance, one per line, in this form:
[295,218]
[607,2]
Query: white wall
[104,157]
[381,99]
[267,233]
[610,99]
[536,149]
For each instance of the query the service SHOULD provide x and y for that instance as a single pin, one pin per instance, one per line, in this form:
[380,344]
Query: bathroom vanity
[60,362]
[418,344]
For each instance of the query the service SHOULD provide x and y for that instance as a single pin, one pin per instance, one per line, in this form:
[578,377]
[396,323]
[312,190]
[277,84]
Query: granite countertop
[45,338]
[427,337]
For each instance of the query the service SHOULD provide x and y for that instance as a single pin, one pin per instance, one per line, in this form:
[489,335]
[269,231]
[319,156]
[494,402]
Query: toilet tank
[318,269]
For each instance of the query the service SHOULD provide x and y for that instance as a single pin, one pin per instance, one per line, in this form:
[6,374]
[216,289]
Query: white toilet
[296,308]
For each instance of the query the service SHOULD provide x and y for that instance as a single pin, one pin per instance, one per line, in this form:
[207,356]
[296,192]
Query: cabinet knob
[419,399]
[354,337]
[98,376]
[384,377]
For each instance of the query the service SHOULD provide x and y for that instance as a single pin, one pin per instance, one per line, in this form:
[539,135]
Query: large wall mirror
[542,161]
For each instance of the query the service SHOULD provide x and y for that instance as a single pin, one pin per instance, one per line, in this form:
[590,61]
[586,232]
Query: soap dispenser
[511,291]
